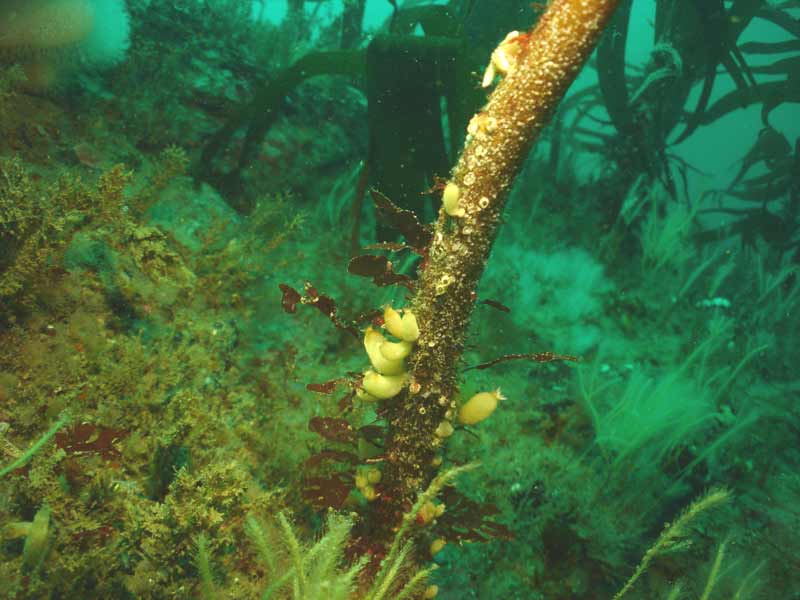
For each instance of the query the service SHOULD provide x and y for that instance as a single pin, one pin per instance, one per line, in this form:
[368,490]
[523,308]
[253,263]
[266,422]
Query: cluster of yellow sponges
[388,375]
[366,479]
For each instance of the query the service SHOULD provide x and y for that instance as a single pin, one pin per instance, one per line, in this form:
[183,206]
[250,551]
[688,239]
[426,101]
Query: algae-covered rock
[88,252]
[194,217]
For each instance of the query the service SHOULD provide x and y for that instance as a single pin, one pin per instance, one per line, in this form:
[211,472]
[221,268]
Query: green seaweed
[26,456]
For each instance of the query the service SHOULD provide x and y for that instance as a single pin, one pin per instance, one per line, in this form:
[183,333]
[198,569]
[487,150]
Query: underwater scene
[400,299]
